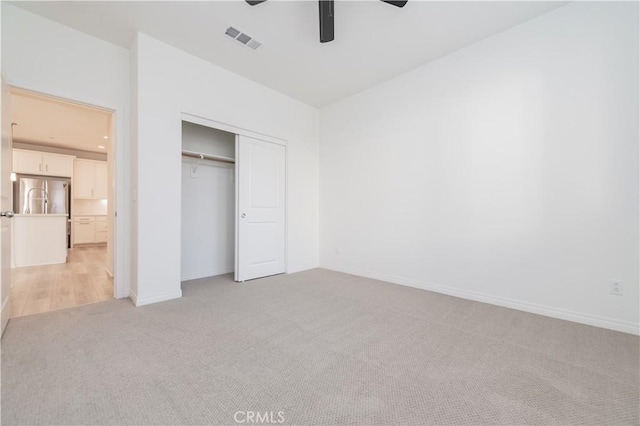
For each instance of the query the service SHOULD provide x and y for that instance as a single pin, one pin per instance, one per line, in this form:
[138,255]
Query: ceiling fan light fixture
[396,3]
[326,15]
[325,8]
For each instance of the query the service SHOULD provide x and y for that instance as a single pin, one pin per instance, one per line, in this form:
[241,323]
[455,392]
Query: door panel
[5,206]
[28,162]
[261,208]
[57,165]
[57,197]
[33,194]
[83,179]
[100,179]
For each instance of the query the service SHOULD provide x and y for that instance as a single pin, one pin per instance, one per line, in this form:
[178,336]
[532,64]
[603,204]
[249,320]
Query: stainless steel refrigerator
[41,195]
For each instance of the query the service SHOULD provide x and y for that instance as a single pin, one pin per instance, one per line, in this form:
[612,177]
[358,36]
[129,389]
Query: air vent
[254,44]
[232,32]
[243,38]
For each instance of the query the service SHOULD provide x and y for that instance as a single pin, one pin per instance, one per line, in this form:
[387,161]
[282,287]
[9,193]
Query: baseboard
[4,315]
[134,297]
[138,301]
[549,311]
[57,262]
[204,274]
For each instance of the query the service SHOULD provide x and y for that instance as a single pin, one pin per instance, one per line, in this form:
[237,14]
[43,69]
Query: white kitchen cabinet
[84,230]
[90,179]
[83,179]
[29,162]
[42,163]
[89,229]
[100,189]
[101,229]
[57,165]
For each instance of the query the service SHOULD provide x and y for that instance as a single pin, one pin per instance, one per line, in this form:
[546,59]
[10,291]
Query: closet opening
[208,236]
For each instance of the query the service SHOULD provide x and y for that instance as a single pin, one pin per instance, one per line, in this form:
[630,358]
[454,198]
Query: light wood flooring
[80,281]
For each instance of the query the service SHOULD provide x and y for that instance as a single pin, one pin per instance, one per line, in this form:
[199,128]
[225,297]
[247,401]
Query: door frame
[121,285]
[5,267]
[230,128]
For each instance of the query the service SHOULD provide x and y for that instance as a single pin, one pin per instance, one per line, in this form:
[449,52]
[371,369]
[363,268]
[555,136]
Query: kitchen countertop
[40,215]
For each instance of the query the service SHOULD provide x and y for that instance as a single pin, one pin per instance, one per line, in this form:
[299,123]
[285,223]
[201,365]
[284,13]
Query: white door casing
[5,206]
[261,213]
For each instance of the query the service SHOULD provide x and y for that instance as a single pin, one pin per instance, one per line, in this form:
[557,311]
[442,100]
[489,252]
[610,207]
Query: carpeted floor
[317,347]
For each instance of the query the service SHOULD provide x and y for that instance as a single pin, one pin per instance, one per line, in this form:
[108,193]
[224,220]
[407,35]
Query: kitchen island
[39,239]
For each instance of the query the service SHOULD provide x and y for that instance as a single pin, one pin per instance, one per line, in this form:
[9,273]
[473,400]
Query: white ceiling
[373,42]
[50,122]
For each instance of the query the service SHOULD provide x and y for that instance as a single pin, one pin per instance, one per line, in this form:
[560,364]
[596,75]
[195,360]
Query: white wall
[505,172]
[208,204]
[169,82]
[46,57]
[83,207]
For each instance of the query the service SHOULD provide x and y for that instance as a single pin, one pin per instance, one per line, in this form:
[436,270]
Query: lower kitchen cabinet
[89,229]
[101,230]
[84,230]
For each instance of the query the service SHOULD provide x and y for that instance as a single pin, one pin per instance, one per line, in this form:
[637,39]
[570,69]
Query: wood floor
[80,281]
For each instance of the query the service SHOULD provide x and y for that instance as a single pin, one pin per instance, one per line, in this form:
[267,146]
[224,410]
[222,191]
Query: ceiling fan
[326,15]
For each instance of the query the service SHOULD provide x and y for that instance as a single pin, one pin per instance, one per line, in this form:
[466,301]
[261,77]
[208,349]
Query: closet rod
[208,157]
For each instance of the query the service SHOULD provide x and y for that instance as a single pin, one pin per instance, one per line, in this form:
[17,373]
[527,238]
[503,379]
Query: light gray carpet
[322,348]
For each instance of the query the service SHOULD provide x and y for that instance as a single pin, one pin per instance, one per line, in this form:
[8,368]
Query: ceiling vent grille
[232,32]
[243,38]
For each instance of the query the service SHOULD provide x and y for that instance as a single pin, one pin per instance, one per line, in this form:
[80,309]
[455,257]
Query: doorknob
[243,215]
[8,214]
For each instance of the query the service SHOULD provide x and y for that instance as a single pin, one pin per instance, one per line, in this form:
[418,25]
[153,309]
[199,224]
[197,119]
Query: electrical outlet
[338,251]
[616,288]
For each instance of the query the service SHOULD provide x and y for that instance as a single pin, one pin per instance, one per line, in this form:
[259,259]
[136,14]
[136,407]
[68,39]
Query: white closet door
[260,242]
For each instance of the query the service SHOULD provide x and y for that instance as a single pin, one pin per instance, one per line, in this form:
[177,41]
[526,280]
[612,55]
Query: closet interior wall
[208,204]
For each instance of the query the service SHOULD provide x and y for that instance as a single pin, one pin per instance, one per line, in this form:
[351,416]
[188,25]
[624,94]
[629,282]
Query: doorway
[63,197]
[233,202]
[208,202]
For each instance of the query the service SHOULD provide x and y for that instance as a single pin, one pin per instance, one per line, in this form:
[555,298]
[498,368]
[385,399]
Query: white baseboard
[4,314]
[141,301]
[134,297]
[549,311]
[204,274]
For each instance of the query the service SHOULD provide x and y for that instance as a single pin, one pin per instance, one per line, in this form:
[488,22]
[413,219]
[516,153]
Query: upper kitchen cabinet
[42,163]
[90,179]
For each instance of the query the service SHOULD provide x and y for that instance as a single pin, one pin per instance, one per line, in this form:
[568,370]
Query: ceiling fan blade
[326,20]
[395,2]
[255,2]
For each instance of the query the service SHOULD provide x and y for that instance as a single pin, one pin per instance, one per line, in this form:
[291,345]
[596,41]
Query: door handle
[243,215]
[8,214]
